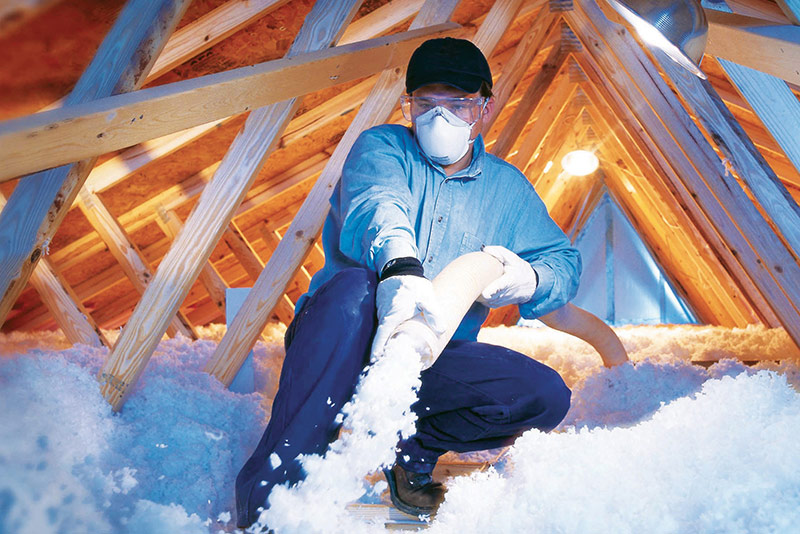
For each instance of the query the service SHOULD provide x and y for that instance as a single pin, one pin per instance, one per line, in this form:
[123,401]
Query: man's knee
[547,401]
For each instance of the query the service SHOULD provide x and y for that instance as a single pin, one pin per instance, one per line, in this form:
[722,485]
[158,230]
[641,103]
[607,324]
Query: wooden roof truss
[706,171]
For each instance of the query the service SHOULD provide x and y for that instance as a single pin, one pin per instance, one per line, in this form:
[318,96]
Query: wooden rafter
[544,118]
[239,339]
[66,308]
[126,253]
[214,211]
[529,45]
[116,122]
[671,237]
[39,203]
[531,99]
[693,159]
[732,141]
[640,146]
[755,43]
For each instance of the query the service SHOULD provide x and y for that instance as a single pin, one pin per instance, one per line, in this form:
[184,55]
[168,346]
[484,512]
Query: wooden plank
[380,20]
[69,313]
[670,237]
[790,8]
[497,20]
[755,43]
[39,203]
[208,30]
[240,337]
[63,304]
[640,176]
[299,283]
[702,178]
[236,14]
[778,108]
[134,159]
[561,130]
[243,251]
[38,141]
[214,211]
[532,98]
[529,45]
[773,102]
[171,225]
[760,9]
[545,116]
[126,253]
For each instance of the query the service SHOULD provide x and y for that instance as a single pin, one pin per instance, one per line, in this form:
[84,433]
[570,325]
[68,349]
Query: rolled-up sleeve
[375,203]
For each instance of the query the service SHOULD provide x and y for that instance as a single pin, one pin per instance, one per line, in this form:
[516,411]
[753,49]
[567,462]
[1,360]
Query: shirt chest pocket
[470,243]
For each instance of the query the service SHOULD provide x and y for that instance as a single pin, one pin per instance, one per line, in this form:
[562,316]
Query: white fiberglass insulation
[657,446]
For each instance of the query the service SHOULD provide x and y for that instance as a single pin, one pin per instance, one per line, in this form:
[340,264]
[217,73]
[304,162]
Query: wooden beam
[243,251]
[494,25]
[545,116]
[790,8]
[382,19]
[208,30]
[64,305]
[38,141]
[529,45]
[755,43]
[773,102]
[240,337]
[39,203]
[760,9]
[248,258]
[171,225]
[126,253]
[181,266]
[555,137]
[531,99]
[779,111]
[135,158]
[702,176]
[642,173]
[670,236]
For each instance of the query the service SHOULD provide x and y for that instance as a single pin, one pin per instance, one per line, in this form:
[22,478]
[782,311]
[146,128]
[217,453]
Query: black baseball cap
[450,61]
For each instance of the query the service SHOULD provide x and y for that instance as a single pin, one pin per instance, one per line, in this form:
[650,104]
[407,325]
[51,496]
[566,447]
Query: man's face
[464,109]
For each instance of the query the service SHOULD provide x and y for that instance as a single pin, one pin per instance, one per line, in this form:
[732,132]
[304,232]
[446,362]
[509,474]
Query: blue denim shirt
[392,201]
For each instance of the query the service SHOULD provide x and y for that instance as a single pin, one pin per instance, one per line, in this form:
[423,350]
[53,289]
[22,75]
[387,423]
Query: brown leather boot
[414,493]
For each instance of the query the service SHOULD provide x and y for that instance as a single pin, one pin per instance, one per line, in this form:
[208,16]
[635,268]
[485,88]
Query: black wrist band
[402,266]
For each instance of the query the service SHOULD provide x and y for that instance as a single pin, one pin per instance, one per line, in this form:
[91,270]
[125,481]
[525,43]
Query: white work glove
[398,299]
[517,284]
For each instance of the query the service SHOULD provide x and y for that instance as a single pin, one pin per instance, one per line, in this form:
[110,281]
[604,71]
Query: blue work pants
[475,396]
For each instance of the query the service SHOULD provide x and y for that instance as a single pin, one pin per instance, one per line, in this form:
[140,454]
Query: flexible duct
[459,285]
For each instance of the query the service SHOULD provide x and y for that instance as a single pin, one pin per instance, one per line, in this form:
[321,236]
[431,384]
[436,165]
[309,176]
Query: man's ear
[489,111]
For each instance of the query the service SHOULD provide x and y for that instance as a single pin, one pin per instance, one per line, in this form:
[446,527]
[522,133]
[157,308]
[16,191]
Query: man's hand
[398,299]
[517,284]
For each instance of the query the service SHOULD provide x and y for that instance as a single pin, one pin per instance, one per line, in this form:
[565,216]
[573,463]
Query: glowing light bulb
[580,162]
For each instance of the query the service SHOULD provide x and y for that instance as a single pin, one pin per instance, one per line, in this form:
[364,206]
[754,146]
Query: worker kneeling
[410,201]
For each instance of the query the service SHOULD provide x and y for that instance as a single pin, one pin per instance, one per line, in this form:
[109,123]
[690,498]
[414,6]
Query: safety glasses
[467,109]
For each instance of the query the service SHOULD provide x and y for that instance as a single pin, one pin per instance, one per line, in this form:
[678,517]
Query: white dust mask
[442,135]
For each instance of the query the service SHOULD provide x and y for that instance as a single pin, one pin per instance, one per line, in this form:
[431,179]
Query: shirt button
[439,219]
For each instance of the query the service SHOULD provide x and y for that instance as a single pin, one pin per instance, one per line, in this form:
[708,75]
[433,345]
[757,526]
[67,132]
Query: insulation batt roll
[459,285]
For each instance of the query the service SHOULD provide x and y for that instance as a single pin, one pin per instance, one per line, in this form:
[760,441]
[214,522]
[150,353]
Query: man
[409,202]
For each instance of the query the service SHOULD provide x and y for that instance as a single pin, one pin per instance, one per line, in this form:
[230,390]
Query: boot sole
[403,506]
